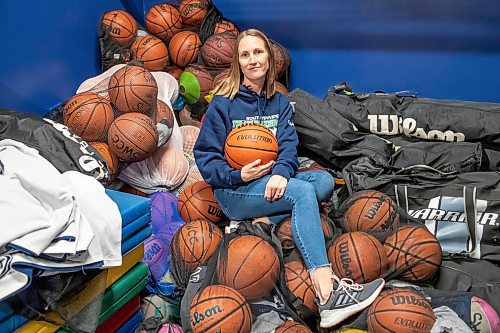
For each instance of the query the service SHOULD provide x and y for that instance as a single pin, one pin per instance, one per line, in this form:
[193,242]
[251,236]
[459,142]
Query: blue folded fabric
[12,323]
[131,206]
[135,226]
[136,239]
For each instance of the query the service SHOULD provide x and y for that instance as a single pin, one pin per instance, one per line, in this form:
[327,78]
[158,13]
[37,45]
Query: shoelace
[348,286]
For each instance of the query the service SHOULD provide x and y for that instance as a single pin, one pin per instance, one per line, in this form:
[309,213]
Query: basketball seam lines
[152,132]
[357,257]
[399,251]
[252,148]
[149,47]
[137,85]
[83,103]
[302,281]
[362,210]
[90,119]
[379,256]
[174,38]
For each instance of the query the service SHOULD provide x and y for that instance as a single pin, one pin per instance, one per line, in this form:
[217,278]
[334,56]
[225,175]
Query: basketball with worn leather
[250,142]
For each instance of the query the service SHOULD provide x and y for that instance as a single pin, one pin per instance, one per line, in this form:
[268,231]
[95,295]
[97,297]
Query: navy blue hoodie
[224,114]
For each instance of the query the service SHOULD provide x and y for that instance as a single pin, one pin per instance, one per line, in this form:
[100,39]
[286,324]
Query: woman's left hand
[275,188]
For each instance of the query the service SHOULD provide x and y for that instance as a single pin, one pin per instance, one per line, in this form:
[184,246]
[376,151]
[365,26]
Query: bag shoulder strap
[471,214]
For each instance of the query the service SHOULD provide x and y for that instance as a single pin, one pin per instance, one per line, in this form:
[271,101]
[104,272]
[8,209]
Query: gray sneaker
[348,298]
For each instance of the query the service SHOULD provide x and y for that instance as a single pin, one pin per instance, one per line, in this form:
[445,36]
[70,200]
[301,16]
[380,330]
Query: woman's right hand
[254,170]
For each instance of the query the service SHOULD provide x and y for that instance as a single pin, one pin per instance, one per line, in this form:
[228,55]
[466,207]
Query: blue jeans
[302,194]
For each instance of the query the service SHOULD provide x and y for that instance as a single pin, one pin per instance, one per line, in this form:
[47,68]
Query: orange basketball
[217,51]
[414,253]
[197,201]
[225,26]
[184,48]
[120,25]
[249,142]
[220,309]
[204,78]
[281,58]
[251,266]
[370,210]
[358,256]
[133,137]
[300,284]
[193,11]
[109,157]
[291,326]
[164,21]
[151,51]
[133,89]
[402,311]
[88,115]
[196,242]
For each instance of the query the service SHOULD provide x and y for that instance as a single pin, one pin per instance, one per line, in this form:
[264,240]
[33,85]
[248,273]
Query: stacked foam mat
[120,310]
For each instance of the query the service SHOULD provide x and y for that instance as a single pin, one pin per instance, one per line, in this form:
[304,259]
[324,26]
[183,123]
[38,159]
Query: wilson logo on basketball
[214,211]
[199,317]
[189,8]
[345,258]
[254,137]
[147,40]
[112,29]
[409,300]
[70,104]
[370,213]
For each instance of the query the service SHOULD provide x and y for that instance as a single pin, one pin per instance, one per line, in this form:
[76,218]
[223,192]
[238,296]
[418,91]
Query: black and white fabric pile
[54,219]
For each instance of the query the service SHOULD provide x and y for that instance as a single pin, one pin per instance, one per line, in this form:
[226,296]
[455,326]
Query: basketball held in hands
[248,143]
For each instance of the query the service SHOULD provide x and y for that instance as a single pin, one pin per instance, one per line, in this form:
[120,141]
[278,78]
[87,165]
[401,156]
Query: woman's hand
[254,170]
[275,188]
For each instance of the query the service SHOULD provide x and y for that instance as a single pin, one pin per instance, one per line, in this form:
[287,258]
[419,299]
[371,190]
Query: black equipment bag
[334,141]
[329,137]
[462,210]
[422,118]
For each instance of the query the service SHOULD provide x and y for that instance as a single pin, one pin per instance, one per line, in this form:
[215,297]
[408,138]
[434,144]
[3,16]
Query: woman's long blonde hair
[230,85]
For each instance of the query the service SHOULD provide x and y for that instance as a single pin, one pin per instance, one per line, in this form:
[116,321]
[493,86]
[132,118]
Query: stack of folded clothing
[108,299]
